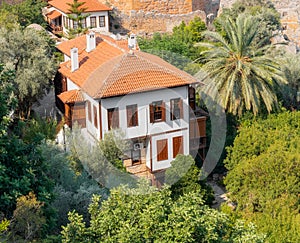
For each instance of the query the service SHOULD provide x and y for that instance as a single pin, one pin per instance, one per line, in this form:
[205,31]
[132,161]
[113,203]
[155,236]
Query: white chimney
[132,42]
[90,41]
[74,59]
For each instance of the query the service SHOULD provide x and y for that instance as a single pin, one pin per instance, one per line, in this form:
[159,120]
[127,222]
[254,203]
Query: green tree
[78,15]
[144,214]
[291,71]
[25,12]
[178,48]
[263,174]
[8,99]
[184,176]
[239,73]
[263,11]
[30,54]
[28,219]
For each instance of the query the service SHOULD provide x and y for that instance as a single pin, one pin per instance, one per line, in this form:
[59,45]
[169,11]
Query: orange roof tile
[109,70]
[53,14]
[90,5]
[71,96]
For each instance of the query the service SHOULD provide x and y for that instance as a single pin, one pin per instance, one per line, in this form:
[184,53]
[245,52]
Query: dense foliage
[145,214]
[184,177]
[262,11]
[264,174]
[23,13]
[177,48]
[29,53]
[239,73]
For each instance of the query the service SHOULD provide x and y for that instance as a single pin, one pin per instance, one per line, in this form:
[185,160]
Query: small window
[95,116]
[113,118]
[83,23]
[93,22]
[132,116]
[162,149]
[157,111]
[176,109]
[75,25]
[101,21]
[89,107]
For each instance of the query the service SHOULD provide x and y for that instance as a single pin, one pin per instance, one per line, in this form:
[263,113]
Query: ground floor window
[177,146]
[162,149]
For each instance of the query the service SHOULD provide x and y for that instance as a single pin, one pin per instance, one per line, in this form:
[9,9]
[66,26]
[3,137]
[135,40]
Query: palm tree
[238,72]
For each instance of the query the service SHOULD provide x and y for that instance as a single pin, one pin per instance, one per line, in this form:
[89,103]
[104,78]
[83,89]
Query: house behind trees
[103,84]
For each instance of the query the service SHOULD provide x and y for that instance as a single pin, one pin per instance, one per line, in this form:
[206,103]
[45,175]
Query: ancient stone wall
[159,6]
[148,16]
[142,23]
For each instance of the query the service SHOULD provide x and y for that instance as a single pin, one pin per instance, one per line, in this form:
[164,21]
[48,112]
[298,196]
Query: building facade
[57,15]
[104,85]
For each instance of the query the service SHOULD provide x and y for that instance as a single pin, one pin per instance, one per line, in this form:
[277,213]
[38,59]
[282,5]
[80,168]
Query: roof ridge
[113,44]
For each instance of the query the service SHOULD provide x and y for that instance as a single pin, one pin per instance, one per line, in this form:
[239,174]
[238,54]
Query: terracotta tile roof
[71,96]
[91,5]
[53,14]
[109,70]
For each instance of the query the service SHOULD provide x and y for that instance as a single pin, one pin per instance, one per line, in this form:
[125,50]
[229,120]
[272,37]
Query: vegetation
[43,188]
[241,71]
[29,53]
[184,177]
[263,177]
[24,13]
[78,16]
[145,214]
[177,48]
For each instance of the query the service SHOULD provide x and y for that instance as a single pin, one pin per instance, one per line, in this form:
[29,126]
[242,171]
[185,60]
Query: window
[113,118]
[176,109]
[192,96]
[89,107]
[79,114]
[132,116]
[95,116]
[93,22]
[101,21]
[177,146]
[75,25]
[83,23]
[157,111]
[162,149]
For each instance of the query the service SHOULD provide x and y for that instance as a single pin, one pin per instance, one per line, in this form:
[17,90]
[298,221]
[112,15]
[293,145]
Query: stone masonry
[148,16]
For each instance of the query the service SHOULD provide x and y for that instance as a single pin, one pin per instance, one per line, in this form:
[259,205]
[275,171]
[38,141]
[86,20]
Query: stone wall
[142,23]
[160,6]
[148,16]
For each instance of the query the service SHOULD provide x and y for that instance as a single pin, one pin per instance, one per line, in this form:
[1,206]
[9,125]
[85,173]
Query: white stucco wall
[157,130]
[88,22]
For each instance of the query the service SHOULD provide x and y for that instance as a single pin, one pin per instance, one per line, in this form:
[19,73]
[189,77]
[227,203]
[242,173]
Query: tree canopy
[144,214]
[239,73]
[29,53]
[263,177]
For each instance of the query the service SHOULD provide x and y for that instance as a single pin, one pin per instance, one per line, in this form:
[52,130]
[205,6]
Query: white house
[104,85]
[96,14]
